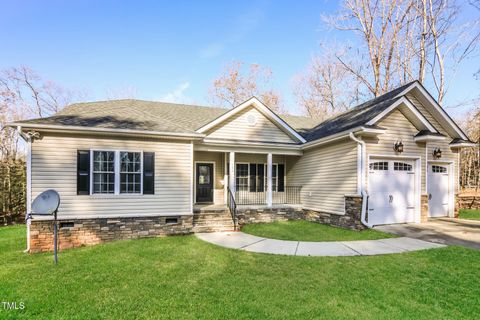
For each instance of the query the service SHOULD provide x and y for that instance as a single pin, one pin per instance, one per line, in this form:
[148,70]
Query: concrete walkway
[247,242]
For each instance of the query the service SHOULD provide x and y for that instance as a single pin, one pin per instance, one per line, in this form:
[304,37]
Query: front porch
[252,179]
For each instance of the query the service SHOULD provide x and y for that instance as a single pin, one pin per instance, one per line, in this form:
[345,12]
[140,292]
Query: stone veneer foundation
[351,218]
[84,232]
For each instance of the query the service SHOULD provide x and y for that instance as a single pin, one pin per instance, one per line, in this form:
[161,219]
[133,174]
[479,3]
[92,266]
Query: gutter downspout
[28,140]
[363,156]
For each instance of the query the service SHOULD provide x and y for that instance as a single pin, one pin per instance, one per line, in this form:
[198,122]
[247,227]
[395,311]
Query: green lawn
[471,214]
[185,278]
[310,231]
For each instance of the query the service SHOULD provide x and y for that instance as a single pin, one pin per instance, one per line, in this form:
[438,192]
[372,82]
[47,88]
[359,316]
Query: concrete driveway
[447,231]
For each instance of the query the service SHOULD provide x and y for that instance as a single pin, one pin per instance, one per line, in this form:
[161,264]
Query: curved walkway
[248,242]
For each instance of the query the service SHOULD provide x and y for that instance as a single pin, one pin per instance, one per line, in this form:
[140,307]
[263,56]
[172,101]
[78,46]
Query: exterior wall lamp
[398,146]
[437,153]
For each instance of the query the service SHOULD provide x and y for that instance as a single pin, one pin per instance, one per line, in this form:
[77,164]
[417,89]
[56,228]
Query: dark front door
[204,181]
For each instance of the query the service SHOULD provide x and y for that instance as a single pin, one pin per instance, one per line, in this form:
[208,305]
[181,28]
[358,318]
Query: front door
[204,181]
[438,190]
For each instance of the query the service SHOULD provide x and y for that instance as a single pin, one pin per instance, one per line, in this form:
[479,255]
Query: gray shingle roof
[180,118]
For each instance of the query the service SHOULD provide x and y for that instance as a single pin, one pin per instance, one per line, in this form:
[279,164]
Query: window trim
[116,173]
[265,175]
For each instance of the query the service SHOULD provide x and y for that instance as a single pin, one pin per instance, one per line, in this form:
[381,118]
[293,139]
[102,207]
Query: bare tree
[406,39]
[325,88]
[235,85]
[23,94]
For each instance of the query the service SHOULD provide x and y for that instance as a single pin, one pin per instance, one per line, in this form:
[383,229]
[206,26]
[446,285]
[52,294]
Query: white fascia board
[56,128]
[435,104]
[410,106]
[463,145]
[428,138]
[341,135]
[250,143]
[260,107]
[257,149]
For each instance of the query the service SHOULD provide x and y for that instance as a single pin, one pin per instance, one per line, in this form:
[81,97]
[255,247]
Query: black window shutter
[261,177]
[253,177]
[148,173]
[83,172]
[281,177]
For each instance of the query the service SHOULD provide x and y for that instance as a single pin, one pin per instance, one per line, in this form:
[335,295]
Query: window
[400,166]
[379,166]
[274,177]
[130,172]
[242,176]
[116,172]
[253,177]
[103,172]
[439,169]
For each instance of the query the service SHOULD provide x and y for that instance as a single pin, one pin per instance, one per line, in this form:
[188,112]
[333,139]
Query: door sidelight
[429,196]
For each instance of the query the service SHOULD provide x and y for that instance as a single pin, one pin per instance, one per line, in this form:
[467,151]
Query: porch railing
[232,206]
[289,195]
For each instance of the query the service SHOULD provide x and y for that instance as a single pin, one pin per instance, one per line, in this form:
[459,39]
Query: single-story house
[132,168]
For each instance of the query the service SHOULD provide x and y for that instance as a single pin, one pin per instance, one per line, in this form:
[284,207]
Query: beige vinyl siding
[326,174]
[54,166]
[447,153]
[398,128]
[238,128]
[218,159]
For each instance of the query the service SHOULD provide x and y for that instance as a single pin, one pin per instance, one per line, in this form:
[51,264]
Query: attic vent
[251,120]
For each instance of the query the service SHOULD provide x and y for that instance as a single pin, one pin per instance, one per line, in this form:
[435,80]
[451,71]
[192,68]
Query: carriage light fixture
[437,153]
[398,146]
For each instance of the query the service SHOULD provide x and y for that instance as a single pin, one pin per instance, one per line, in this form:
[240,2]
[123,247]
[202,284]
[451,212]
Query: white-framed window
[130,172]
[274,177]
[241,175]
[116,172]
[439,169]
[382,165]
[401,166]
[103,172]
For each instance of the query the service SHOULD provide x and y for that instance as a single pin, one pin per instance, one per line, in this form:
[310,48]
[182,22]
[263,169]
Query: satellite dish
[46,203]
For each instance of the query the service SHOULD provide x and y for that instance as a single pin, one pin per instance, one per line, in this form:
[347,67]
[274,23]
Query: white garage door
[391,186]
[438,190]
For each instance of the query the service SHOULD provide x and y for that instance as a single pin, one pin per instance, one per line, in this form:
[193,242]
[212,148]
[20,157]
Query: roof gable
[249,125]
[434,109]
[261,108]
[409,111]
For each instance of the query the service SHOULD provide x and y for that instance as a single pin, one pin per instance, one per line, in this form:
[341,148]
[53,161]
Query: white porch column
[225,178]
[269,180]
[232,172]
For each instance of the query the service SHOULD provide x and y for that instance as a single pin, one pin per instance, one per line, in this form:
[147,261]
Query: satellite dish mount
[46,204]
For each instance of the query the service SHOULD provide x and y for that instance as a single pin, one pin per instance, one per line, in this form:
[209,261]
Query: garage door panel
[391,192]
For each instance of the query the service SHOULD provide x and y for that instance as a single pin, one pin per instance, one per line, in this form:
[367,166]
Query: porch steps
[212,221]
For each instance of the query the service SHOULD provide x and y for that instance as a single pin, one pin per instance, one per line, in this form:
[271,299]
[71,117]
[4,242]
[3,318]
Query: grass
[471,214]
[185,278]
[310,231]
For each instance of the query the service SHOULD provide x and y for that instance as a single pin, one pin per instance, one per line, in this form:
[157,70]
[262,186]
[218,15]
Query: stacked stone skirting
[351,219]
[467,202]
[83,232]
[424,208]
